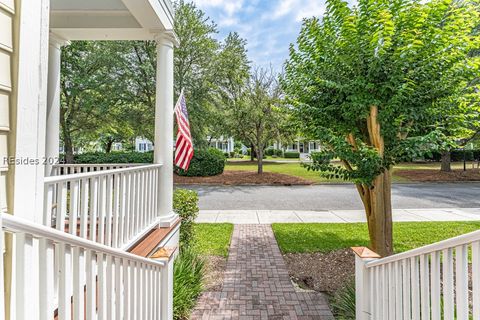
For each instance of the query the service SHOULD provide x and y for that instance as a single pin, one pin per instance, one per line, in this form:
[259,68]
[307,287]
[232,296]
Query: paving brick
[257,285]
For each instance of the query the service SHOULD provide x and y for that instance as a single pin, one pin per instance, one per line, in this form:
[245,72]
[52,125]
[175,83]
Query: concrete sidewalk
[332,216]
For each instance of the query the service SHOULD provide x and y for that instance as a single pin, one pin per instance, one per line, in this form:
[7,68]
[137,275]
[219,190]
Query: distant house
[301,145]
[143,144]
[222,144]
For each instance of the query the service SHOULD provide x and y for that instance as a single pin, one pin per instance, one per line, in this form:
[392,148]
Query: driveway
[334,197]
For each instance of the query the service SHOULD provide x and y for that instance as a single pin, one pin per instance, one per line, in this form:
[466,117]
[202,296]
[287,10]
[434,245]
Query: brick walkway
[257,285]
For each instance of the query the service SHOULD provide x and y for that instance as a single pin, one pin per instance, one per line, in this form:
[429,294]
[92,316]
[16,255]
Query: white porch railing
[64,169]
[112,207]
[61,276]
[432,282]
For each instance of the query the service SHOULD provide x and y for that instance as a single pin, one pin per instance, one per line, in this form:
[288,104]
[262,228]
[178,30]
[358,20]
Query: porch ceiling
[110,19]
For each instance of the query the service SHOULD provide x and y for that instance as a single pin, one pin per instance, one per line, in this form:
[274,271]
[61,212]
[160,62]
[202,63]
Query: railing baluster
[102,186]
[101,288]
[73,223]
[415,283]
[120,288]
[392,301]
[109,206]
[78,283]
[398,290]
[476,279]
[448,297]
[127,288]
[93,208]
[406,290]
[64,288]
[61,211]
[46,276]
[424,287]
[84,208]
[461,280]
[435,280]
[90,285]
[117,221]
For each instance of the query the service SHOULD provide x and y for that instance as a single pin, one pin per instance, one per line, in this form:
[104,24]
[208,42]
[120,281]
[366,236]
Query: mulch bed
[244,178]
[215,267]
[440,176]
[323,272]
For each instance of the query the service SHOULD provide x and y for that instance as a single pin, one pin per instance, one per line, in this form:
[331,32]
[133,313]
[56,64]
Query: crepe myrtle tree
[368,81]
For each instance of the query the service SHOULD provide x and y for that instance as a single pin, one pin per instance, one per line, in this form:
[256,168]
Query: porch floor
[257,284]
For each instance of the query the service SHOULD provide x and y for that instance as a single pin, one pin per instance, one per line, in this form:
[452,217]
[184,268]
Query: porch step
[149,243]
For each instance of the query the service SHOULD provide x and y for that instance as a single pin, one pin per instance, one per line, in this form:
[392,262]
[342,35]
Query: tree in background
[259,114]
[89,94]
[115,81]
[366,81]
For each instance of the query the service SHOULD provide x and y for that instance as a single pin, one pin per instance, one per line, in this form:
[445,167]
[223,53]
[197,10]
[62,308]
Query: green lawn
[214,239]
[326,237]
[295,169]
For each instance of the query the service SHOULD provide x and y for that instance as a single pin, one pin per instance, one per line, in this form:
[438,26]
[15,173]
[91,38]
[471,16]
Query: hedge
[114,157]
[273,152]
[456,155]
[205,163]
[292,155]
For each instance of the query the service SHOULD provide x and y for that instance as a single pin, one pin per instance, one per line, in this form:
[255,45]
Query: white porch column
[163,148]
[52,138]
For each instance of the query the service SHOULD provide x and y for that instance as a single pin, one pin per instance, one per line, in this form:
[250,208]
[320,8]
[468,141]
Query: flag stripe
[184,145]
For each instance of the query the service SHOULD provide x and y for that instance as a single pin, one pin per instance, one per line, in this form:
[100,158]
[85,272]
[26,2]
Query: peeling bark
[376,197]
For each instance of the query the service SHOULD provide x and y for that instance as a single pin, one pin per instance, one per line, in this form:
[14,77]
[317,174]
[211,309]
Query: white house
[86,241]
[143,144]
[223,144]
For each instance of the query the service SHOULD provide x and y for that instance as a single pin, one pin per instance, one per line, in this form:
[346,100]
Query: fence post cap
[365,253]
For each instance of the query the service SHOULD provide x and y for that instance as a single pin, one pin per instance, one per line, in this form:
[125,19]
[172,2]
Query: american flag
[184,145]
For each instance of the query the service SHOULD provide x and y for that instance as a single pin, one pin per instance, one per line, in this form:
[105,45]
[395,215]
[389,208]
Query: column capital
[166,37]
[57,41]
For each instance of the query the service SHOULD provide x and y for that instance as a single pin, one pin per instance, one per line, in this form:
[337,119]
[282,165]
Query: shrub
[279,153]
[232,154]
[114,157]
[344,302]
[273,152]
[292,155]
[185,204]
[210,162]
[187,282]
[456,155]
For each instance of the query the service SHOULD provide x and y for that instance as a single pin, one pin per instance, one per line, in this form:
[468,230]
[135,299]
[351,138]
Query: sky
[269,26]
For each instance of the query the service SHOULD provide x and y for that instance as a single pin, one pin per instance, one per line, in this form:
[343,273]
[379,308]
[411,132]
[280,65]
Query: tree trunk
[377,197]
[68,146]
[260,161]
[446,161]
[108,146]
[377,201]
[252,153]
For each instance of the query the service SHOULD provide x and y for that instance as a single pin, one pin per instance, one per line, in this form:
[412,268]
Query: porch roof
[110,19]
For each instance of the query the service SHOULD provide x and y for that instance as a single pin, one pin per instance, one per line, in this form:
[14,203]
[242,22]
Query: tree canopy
[370,82]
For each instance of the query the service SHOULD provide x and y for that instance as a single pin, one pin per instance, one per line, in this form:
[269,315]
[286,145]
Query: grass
[213,239]
[326,237]
[292,169]
[295,169]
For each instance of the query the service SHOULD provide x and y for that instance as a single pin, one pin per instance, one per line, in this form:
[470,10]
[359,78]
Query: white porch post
[52,139]
[163,148]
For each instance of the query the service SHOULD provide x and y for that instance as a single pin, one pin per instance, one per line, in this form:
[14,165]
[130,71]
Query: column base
[168,220]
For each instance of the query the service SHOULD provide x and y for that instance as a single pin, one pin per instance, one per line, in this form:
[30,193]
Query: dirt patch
[244,178]
[215,267]
[439,176]
[324,272]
